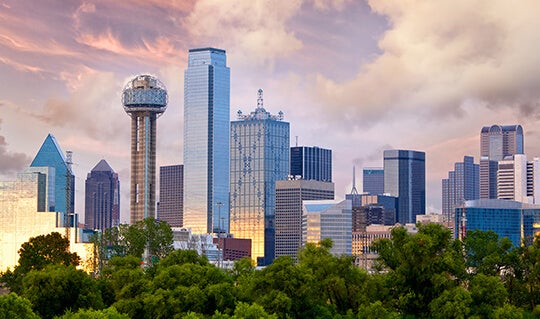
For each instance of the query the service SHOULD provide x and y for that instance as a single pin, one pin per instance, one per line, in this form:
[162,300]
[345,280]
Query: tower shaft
[143,165]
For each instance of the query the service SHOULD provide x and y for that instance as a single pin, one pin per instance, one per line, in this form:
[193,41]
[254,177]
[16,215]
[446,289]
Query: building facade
[311,163]
[62,180]
[515,220]
[289,197]
[497,142]
[373,180]
[328,219]
[206,141]
[259,157]
[171,195]
[102,198]
[405,178]
[517,178]
[144,99]
[461,185]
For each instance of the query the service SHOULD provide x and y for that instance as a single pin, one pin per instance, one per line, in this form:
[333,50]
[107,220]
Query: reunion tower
[144,99]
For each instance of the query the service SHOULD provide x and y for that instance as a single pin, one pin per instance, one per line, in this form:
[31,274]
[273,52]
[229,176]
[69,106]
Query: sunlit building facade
[102,198]
[328,219]
[206,141]
[259,158]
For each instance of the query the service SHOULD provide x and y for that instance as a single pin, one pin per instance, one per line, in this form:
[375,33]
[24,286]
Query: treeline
[423,275]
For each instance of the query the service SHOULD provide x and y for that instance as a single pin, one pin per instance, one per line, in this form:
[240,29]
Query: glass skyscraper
[50,155]
[259,157]
[102,198]
[405,178]
[461,185]
[171,201]
[373,180]
[311,163]
[206,141]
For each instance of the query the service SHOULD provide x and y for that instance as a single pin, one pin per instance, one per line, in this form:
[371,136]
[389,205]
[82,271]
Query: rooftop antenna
[354,191]
[260,98]
[296,140]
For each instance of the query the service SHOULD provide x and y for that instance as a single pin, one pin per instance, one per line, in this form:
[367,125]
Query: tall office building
[50,155]
[259,158]
[328,219]
[461,185]
[497,142]
[102,198]
[144,99]
[370,209]
[373,180]
[171,195]
[311,163]
[289,197]
[405,178]
[206,141]
[519,179]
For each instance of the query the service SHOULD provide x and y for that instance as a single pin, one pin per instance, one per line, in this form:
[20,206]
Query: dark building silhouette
[373,180]
[311,163]
[102,200]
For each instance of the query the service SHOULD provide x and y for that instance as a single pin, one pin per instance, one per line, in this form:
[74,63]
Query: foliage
[109,313]
[57,288]
[13,306]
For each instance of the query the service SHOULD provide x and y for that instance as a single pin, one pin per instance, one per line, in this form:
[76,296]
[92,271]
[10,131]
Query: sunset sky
[356,77]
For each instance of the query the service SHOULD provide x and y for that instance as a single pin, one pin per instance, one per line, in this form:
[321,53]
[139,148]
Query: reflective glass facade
[461,185]
[373,180]
[311,163]
[259,157]
[405,178]
[50,155]
[102,200]
[515,220]
[206,141]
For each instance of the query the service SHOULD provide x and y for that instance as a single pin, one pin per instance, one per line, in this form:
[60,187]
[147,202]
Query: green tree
[485,252]
[109,313]
[253,311]
[57,288]
[13,306]
[453,303]
[488,293]
[36,254]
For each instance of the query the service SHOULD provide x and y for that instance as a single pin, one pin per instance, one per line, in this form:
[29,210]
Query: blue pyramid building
[50,155]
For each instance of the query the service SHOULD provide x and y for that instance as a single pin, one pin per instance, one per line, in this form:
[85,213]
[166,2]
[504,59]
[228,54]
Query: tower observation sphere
[144,99]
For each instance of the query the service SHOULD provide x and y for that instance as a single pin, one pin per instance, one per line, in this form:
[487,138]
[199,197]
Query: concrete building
[517,178]
[206,141]
[289,197]
[144,99]
[171,195]
[259,157]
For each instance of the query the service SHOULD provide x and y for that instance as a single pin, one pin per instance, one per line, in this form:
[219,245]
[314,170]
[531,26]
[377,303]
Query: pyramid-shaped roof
[49,154]
[102,166]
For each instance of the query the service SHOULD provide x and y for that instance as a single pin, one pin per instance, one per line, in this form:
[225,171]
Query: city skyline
[409,66]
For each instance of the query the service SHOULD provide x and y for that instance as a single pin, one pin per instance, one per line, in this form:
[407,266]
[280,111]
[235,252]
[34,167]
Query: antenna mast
[354,190]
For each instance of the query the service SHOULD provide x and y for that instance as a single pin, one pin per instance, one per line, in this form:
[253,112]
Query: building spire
[354,191]
[260,99]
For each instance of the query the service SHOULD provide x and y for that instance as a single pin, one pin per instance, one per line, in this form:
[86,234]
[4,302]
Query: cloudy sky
[356,77]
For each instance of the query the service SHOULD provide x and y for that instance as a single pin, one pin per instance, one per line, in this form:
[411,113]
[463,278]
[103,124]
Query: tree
[57,288]
[109,313]
[13,306]
[38,253]
[485,252]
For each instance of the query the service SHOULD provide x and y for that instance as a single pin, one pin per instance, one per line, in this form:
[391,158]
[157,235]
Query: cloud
[11,162]
[256,30]
[438,57]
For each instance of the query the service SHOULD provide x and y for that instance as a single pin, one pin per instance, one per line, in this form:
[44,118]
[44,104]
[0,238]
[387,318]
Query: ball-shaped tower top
[144,93]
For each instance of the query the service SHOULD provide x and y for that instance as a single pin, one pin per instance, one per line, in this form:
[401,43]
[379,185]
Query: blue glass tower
[102,197]
[311,163]
[373,181]
[206,141]
[405,178]
[461,185]
[259,158]
[50,155]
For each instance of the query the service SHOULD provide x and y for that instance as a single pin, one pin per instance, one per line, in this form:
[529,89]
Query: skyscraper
[50,155]
[461,185]
[289,197]
[373,180]
[171,195]
[206,141]
[311,163]
[497,142]
[259,158]
[519,179]
[102,198]
[405,178]
[144,99]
